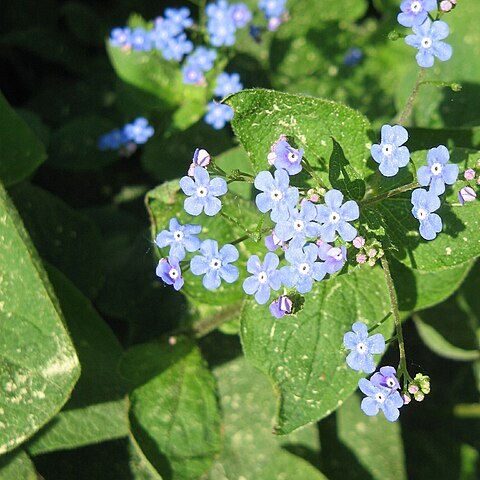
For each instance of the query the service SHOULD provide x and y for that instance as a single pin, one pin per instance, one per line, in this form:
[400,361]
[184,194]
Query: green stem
[312,173]
[390,193]
[402,366]
[407,109]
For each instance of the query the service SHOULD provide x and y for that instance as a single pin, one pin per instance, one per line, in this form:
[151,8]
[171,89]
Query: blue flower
[363,347]
[390,154]
[218,115]
[333,257]
[424,204]
[202,193]
[353,56]
[203,58]
[139,131]
[120,37]
[427,40]
[283,155]
[274,23]
[437,173]
[264,277]
[221,33]
[219,11]
[180,16]
[227,84]
[240,14]
[299,225]
[334,216]
[201,158]
[141,40]
[192,75]
[380,398]
[387,377]
[179,238]
[303,268]
[281,306]
[415,12]
[175,48]
[276,194]
[169,271]
[272,8]
[164,31]
[112,140]
[214,264]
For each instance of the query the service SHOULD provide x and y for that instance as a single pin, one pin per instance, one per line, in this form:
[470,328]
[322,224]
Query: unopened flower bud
[371,262]
[466,194]
[372,253]
[361,258]
[446,5]
[406,398]
[419,396]
[469,174]
[413,389]
[358,242]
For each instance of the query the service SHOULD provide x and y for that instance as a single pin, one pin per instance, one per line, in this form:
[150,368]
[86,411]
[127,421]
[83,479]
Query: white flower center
[436,168]
[379,397]
[292,157]
[262,277]
[304,268]
[361,347]
[173,273]
[276,195]
[215,263]
[298,225]
[422,214]
[416,6]
[387,149]
[202,191]
[390,382]
[334,217]
[178,236]
[426,42]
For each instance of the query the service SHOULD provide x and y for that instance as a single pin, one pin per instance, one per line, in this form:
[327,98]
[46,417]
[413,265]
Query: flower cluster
[132,134]
[382,389]
[427,34]
[472,177]
[275,13]
[369,252]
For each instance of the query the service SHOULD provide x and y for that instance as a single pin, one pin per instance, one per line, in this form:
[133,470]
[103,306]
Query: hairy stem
[390,193]
[407,109]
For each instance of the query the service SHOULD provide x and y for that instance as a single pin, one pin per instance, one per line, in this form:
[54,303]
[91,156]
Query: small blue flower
[240,14]
[264,277]
[333,217]
[415,12]
[390,154]
[274,23]
[299,225]
[218,115]
[203,58]
[363,347]
[180,16]
[380,398]
[179,238]
[218,11]
[227,84]
[139,131]
[283,155]
[202,193]
[201,158]
[272,8]
[353,56]
[281,306]
[303,268]
[175,48]
[214,264]
[333,257]
[192,75]
[163,31]
[427,40]
[169,271]
[222,34]
[437,173]
[141,40]
[276,194]
[120,37]
[387,377]
[112,140]
[424,204]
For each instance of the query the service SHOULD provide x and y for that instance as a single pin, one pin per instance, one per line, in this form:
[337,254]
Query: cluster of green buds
[418,388]
[370,251]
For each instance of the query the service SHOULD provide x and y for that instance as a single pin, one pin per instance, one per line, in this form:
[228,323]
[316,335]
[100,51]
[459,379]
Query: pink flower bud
[406,398]
[372,253]
[467,194]
[469,174]
[413,389]
[446,5]
[361,258]
[358,242]
[314,198]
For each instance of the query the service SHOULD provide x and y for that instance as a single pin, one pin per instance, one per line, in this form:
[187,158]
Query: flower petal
[193,205]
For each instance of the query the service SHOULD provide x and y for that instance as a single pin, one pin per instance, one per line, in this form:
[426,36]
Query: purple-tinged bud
[281,306]
[201,158]
[466,194]
[361,258]
[419,396]
[274,23]
[406,398]
[272,242]
[372,252]
[314,198]
[469,174]
[358,242]
[413,389]
[446,5]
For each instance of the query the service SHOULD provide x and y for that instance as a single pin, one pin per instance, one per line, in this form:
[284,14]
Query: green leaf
[83,22]
[39,366]
[174,413]
[262,115]
[97,410]
[62,236]
[250,450]
[22,152]
[355,446]
[303,354]
[17,465]
[422,138]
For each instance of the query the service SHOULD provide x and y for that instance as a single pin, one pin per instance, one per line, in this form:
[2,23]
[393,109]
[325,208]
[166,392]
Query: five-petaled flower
[362,347]
[264,277]
[390,153]
[179,238]
[333,217]
[169,271]
[415,12]
[437,173]
[428,40]
[202,193]
[424,204]
[215,264]
[283,155]
[386,399]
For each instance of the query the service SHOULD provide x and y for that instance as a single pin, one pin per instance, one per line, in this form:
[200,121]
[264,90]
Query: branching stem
[407,109]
